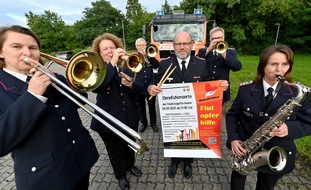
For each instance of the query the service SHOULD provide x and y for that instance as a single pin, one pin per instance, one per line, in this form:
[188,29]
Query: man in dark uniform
[219,65]
[146,75]
[189,69]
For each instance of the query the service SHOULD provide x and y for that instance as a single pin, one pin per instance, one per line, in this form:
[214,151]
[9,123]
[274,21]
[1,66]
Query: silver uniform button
[68,130]
[248,109]
[63,118]
[266,114]
[73,142]
[33,169]
[56,106]
[290,152]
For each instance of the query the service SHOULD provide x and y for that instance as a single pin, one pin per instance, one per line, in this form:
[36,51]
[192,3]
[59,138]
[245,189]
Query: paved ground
[208,174]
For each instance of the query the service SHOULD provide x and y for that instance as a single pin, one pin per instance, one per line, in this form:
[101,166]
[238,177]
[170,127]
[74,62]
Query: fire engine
[163,28]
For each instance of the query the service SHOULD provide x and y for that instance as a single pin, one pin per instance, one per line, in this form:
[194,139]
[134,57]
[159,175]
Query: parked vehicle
[67,55]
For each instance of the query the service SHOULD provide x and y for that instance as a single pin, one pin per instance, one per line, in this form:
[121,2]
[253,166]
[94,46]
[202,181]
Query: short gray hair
[140,40]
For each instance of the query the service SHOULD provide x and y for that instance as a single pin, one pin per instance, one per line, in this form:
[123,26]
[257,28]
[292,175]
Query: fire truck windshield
[166,32]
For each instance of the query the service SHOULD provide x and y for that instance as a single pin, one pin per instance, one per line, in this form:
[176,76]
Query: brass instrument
[221,47]
[151,50]
[82,71]
[275,158]
[133,62]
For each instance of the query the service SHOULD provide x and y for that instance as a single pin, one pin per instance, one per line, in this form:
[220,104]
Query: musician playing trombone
[40,127]
[118,96]
[220,59]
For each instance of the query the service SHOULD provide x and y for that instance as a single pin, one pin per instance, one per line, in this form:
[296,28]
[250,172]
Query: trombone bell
[221,47]
[85,71]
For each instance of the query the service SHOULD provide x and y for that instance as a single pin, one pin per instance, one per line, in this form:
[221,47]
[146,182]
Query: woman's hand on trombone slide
[39,81]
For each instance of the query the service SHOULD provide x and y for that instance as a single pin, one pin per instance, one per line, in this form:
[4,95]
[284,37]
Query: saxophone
[275,158]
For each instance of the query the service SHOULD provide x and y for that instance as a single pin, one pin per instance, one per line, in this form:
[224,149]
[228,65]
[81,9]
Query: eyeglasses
[217,38]
[186,44]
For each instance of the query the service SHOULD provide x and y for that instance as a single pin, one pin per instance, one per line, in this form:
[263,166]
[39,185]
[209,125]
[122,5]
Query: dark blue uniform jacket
[247,113]
[50,147]
[219,69]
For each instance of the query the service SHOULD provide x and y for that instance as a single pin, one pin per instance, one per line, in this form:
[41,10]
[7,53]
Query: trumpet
[85,72]
[151,50]
[221,47]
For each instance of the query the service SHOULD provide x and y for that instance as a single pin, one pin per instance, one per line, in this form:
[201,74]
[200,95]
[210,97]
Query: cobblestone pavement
[208,174]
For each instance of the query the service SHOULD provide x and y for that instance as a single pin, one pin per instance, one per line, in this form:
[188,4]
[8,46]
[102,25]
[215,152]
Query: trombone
[82,70]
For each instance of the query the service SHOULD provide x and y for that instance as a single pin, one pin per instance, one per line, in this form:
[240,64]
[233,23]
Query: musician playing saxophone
[250,110]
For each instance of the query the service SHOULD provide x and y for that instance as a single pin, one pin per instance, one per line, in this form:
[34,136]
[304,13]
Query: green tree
[98,19]
[137,16]
[134,10]
[51,29]
[166,8]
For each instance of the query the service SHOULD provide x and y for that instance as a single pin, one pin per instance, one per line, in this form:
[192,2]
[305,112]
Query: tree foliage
[53,33]
[137,16]
[98,19]
[250,25]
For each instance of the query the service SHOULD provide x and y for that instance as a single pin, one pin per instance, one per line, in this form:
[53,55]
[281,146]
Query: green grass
[300,73]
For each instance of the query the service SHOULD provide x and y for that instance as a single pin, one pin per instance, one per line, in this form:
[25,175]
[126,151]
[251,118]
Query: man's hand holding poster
[191,115]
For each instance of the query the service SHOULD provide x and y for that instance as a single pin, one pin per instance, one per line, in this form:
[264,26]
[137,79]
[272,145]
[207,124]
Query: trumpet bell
[151,50]
[221,47]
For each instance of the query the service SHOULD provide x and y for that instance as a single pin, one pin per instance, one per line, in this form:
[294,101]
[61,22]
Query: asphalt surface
[208,174]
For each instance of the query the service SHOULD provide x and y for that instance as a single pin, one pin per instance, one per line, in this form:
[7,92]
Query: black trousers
[122,157]
[83,183]
[152,109]
[264,181]
[187,161]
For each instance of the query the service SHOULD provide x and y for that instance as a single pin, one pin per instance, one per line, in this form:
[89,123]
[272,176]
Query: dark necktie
[269,97]
[28,78]
[183,70]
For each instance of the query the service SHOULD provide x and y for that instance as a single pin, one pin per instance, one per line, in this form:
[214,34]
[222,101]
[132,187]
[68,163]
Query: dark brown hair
[264,58]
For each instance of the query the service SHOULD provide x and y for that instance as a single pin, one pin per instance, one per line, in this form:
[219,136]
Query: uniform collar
[20,76]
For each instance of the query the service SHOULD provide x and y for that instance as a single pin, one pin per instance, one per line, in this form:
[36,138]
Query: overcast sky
[70,10]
